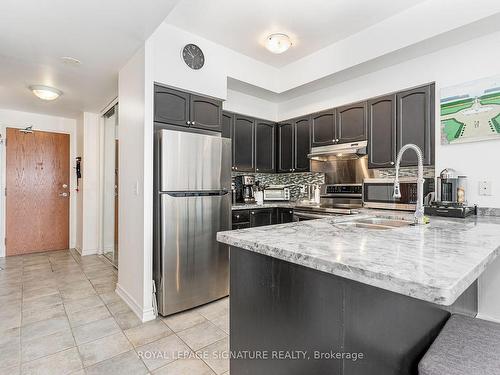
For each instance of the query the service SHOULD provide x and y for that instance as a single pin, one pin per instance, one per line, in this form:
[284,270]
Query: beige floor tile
[87,316]
[118,306]
[161,352]
[10,354]
[42,302]
[222,321]
[147,332]
[110,297]
[127,319]
[9,335]
[41,292]
[216,356]
[124,364]
[104,348]
[201,335]
[83,304]
[95,330]
[68,296]
[44,328]
[184,320]
[31,316]
[214,309]
[46,345]
[185,367]
[60,363]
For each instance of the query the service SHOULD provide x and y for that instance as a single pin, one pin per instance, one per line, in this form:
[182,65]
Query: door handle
[63,194]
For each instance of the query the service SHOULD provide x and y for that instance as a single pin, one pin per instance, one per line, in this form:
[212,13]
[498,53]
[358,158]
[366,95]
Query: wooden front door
[37,202]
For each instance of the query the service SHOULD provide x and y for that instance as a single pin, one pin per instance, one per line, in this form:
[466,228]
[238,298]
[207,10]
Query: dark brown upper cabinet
[351,123]
[382,132]
[227,124]
[302,135]
[206,113]
[415,123]
[285,146]
[173,107]
[243,143]
[265,146]
[323,130]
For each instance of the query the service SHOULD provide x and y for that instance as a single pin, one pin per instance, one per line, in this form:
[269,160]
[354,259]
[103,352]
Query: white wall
[87,200]
[17,119]
[135,195]
[250,105]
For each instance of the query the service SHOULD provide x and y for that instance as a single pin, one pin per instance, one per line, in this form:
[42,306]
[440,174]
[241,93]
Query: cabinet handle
[291,170]
[237,216]
[257,169]
[290,212]
[192,122]
[235,167]
[253,213]
[188,122]
[337,140]
[392,163]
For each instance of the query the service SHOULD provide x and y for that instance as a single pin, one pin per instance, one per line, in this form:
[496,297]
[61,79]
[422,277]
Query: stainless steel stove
[336,200]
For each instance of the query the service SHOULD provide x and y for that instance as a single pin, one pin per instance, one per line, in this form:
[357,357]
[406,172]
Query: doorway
[37,191]
[110,186]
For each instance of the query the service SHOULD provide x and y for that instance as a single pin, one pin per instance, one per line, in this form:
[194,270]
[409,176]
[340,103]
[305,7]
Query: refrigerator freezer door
[190,161]
[195,267]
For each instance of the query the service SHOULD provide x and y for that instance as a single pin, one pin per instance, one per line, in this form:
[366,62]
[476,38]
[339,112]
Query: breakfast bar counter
[371,284]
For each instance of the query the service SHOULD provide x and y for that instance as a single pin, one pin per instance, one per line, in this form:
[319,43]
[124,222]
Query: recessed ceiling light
[45,92]
[278,43]
[70,60]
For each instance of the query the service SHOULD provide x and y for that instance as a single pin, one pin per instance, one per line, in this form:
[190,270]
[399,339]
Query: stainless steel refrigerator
[192,203]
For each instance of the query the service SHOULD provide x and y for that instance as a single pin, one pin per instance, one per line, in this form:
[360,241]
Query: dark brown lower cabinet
[284,215]
[261,216]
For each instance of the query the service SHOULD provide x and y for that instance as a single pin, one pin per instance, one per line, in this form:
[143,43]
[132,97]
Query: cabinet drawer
[240,226]
[241,216]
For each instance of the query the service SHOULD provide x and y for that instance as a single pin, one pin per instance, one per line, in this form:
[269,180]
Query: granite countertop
[436,262]
[253,206]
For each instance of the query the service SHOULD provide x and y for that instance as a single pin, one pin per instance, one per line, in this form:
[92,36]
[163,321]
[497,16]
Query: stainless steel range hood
[343,151]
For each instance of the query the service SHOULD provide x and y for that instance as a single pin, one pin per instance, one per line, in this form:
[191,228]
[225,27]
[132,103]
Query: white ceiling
[243,25]
[34,34]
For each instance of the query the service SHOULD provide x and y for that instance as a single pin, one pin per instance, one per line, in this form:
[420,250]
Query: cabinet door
[382,132]
[285,147]
[285,215]
[265,147]
[415,123]
[243,144]
[323,130]
[171,106]
[227,124]
[260,217]
[205,113]
[302,144]
[351,123]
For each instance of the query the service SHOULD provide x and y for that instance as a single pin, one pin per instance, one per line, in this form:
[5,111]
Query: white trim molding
[145,314]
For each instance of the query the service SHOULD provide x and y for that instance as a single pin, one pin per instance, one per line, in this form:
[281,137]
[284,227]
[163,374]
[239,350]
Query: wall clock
[193,56]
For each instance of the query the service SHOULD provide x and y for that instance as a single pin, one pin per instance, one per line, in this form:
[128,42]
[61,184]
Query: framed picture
[470,112]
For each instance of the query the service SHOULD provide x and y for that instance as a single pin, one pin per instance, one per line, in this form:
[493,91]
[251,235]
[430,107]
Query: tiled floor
[59,314]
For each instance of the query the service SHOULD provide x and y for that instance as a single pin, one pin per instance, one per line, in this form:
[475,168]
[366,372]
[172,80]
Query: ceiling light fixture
[70,60]
[45,92]
[278,43]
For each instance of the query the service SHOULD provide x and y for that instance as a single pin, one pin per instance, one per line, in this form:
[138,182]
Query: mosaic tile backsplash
[294,180]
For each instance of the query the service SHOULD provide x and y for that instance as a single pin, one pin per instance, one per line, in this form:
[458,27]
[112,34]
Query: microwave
[276,193]
[378,193]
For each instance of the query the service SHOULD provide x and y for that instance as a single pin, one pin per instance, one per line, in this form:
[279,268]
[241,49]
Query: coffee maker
[244,189]
[451,196]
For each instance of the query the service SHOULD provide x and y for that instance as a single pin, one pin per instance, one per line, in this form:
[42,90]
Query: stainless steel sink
[378,223]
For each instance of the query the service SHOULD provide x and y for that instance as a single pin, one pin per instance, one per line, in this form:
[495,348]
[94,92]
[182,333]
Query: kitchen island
[342,296]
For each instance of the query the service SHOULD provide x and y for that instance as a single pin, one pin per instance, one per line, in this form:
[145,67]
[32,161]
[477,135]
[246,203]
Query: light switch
[484,187]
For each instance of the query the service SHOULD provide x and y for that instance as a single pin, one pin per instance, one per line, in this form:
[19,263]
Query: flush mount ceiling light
[278,43]
[45,92]
[70,60]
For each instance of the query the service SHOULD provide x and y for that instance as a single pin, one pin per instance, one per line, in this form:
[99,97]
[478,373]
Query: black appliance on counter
[244,186]
[448,209]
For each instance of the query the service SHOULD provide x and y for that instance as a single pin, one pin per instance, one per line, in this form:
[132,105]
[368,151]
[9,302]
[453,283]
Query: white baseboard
[486,317]
[89,252]
[145,314]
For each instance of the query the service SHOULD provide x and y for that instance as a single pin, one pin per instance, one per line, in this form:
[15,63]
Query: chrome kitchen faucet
[419,211]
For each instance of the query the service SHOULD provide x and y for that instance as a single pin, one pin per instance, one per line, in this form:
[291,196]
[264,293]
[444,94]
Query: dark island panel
[292,314]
